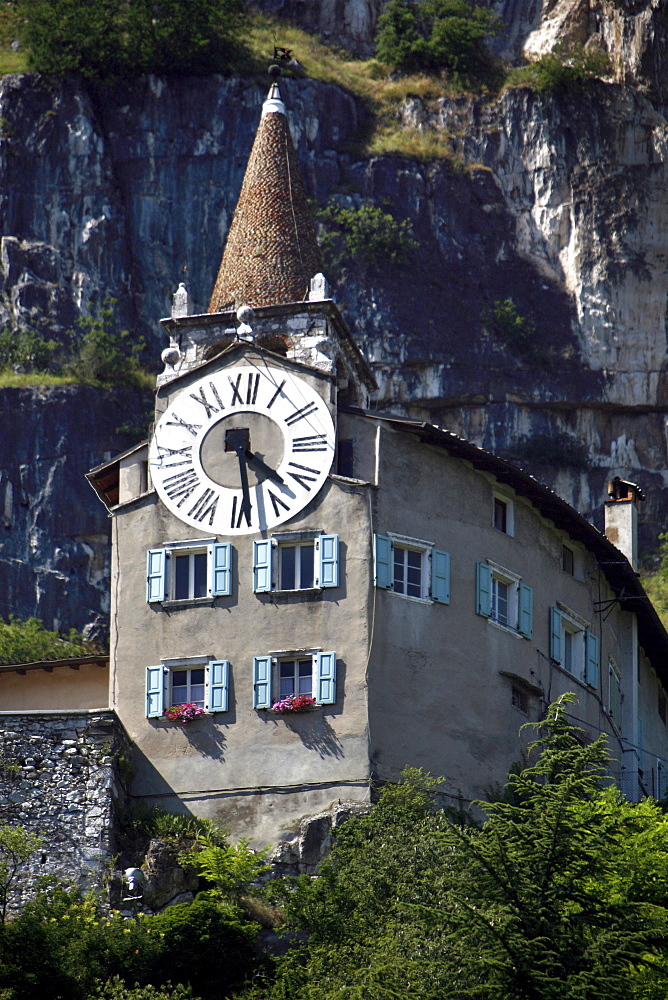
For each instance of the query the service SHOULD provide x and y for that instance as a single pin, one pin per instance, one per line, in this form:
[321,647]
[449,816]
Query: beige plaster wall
[62,688]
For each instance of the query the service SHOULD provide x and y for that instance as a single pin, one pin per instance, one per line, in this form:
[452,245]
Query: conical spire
[271,252]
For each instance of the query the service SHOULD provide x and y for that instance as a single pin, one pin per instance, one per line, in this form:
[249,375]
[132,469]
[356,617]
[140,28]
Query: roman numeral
[180,456]
[305,411]
[201,398]
[302,479]
[236,395]
[251,392]
[311,442]
[276,502]
[276,395]
[245,510]
[206,504]
[181,484]
[179,422]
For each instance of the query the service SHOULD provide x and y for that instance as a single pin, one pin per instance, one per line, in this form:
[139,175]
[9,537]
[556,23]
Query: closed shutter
[440,576]
[262,682]
[219,672]
[325,683]
[220,584]
[155,685]
[156,561]
[526,611]
[328,547]
[483,590]
[555,635]
[615,698]
[383,561]
[591,659]
[262,566]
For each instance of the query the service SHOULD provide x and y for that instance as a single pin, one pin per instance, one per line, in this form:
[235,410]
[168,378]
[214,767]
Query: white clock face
[242,450]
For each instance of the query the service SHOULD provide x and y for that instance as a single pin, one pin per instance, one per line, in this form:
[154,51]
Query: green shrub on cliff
[110,39]
[23,641]
[366,234]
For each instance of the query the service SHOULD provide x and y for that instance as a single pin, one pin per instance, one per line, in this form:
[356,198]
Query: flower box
[184,713]
[292,704]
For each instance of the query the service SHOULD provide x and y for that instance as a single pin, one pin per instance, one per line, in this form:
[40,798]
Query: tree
[560,895]
[435,35]
[16,846]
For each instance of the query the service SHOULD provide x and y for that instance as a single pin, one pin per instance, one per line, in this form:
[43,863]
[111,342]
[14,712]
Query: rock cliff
[557,201]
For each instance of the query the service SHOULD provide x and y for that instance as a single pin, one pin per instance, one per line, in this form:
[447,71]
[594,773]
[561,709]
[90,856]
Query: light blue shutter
[221,569]
[325,683]
[591,659]
[383,561]
[155,684]
[156,561]
[440,576]
[526,611]
[483,589]
[262,566]
[262,682]
[555,635]
[329,560]
[219,672]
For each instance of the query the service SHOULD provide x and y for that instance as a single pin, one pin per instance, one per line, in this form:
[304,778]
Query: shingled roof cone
[271,252]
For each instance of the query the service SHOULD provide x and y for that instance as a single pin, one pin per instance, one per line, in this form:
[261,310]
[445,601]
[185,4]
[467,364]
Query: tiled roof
[271,252]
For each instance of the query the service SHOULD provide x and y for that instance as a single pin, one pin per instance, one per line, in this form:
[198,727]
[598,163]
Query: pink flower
[184,713]
[294,703]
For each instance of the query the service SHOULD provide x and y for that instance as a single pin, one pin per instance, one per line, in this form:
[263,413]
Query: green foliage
[23,641]
[564,69]
[435,35]
[366,234]
[562,894]
[116,989]
[138,823]
[26,350]
[104,355]
[16,846]
[655,581]
[110,39]
[231,868]
[509,326]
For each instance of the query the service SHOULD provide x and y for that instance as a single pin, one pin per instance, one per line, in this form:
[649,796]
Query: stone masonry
[59,776]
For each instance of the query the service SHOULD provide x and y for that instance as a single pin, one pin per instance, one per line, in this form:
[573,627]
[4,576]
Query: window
[520,699]
[309,672]
[573,646]
[345,458]
[503,598]
[502,514]
[189,571]
[295,563]
[567,560]
[615,694]
[194,679]
[412,568]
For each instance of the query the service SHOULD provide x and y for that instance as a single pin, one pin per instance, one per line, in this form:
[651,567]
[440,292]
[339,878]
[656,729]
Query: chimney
[621,517]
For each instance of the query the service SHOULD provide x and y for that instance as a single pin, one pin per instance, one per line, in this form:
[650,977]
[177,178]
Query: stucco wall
[87,686]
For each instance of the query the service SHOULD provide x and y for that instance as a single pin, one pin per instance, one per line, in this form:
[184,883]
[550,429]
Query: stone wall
[58,779]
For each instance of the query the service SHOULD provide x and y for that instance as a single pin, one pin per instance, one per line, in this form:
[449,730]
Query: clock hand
[245,503]
[261,466]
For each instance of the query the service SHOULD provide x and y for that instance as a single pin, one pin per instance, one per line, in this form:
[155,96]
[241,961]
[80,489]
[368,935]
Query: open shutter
[262,682]
[262,566]
[155,686]
[328,546]
[440,576]
[591,659]
[219,672]
[526,611]
[221,569]
[383,561]
[325,683]
[555,635]
[483,589]
[156,561]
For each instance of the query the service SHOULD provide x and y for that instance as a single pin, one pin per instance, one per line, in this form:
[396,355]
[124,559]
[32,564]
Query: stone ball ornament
[171,356]
[242,450]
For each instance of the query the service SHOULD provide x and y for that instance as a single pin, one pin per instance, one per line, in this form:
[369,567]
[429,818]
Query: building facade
[279,545]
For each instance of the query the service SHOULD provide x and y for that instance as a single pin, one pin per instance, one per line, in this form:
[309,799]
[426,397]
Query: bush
[367,234]
[116,989]
[448,35]
[103,354]
[23,641]
[507,325]
[566,68]
[231,868]
[107,39]
[26,350]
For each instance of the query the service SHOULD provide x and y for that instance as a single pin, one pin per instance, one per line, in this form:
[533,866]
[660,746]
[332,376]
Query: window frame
[500,498]
[434,568]
[564,621]
[519,620]
[266,676]
[267,563]
[161,571]
[159,684]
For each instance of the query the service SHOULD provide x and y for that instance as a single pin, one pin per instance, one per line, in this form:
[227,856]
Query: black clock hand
[261,466]
[245,503]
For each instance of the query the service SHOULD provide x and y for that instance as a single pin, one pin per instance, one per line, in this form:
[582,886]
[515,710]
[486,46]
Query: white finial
[273,104]
[245,314]
[171,356]
[319,288]
[181,302]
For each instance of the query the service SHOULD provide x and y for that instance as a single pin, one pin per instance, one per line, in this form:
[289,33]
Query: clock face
[242,450]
